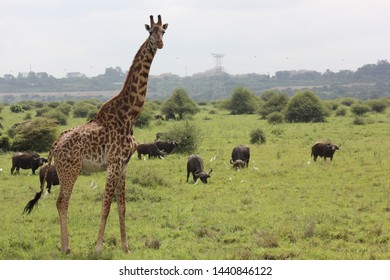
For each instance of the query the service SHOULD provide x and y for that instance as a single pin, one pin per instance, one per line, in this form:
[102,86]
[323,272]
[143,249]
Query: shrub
[180,103]
[37,135]
[378,106]
[5,144]
[275,118]
[305,107]
[91,114]
[42,111]
[341,111]
[359,120]
[144,118]
[187,133]
[58,116]
[64,108]
[359,109]
[27,116]
[348,101]
[82,110]
[243,101]
[257,136]
[275,103]
[15,108]
[53,104]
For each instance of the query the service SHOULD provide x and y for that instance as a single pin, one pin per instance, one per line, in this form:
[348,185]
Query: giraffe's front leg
[112,180]
[121,204]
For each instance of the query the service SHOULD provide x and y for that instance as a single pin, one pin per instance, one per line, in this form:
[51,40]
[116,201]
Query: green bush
[187,134]
[82,110]
[243,101]
[378,106]
[305,107]
[5,144]
[275,103]
[342,111]
[347,101]
[42,111]
[359,120]
[58,116]
[15,108]
[37,135]
[144,118]
[257,136]
[275,118]
[360,109]
[64,108]
[180,103]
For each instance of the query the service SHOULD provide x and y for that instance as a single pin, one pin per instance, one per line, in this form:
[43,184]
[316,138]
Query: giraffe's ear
[165,26]
[147,27]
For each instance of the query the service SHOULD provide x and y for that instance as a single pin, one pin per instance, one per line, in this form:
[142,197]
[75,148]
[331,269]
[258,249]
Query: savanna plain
[283,206]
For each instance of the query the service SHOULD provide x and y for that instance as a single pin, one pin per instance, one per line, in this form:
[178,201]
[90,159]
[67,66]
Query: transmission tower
[218,87]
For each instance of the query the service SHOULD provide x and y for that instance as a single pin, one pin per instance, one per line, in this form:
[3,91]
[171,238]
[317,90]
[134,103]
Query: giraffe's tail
[30,205]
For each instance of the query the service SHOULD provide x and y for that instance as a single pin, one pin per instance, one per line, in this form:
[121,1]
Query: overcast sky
[263,36]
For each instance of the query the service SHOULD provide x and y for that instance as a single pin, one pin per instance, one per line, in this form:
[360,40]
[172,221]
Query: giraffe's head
[156,31]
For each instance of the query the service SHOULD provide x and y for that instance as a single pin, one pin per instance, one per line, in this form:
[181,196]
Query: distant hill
[367,82]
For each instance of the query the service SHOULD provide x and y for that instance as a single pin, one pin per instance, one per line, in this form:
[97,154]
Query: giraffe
[105,143]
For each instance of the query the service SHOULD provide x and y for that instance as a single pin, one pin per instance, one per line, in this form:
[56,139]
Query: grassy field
[284,206]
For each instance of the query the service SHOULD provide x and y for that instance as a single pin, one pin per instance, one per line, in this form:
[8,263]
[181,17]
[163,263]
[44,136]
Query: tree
[180,103]
[360,109]
[243,101]
[145,116]
[305,107]
[275,103]
[37,135]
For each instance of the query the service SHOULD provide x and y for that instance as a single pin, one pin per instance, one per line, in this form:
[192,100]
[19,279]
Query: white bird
[93,185]
[213,158]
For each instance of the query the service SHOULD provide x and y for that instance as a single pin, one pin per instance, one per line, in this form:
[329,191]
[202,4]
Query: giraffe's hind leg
[67,182]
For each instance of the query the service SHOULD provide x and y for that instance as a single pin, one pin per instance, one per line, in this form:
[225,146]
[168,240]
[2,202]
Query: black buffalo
[241,152]
[238,163]
[170,116]
[166,145]
[159,117]
[26,160]
[323,149]
[196,167]
[51,176]
[149,149]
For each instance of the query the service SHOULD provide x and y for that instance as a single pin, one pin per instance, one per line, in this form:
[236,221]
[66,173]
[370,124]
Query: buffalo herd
[159,148]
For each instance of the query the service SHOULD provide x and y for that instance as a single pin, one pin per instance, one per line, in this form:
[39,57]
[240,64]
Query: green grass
[284,206]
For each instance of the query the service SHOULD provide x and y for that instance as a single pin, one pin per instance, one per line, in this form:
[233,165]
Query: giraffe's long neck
[129,102]
[137,78]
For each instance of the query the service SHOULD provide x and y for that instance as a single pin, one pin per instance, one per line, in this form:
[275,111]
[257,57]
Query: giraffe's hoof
[66,251]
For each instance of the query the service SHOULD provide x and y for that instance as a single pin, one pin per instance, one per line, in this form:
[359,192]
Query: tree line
[367,82]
